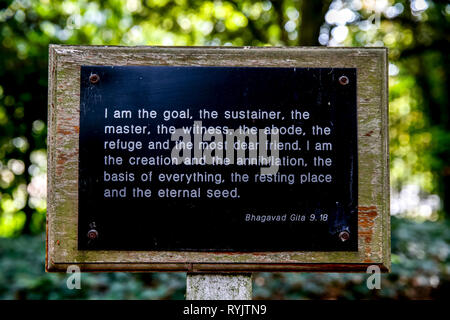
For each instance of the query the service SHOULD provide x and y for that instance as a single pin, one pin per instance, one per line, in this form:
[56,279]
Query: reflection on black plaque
[171,158]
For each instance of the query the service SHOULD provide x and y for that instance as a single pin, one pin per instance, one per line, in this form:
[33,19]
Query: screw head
[344,236]
[92,234]
[343,80]
[94,78]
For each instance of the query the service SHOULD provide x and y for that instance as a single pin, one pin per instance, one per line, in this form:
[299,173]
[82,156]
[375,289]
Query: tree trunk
[312,18]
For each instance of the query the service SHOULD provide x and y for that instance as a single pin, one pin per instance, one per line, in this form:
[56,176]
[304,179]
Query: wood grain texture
[373,159]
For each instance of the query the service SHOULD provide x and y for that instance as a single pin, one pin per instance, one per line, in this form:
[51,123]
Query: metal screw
[94,78]
[343,80]
[344,236]
[92,234]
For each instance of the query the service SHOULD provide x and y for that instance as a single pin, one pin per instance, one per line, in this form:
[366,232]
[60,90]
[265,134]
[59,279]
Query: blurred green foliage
[416,33]
[420,269]
[23,276]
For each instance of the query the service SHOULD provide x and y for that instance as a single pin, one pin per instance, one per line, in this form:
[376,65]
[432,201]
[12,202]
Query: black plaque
[318,216]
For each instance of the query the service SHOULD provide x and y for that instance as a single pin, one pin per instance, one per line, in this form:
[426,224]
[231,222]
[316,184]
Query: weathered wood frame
[373,159]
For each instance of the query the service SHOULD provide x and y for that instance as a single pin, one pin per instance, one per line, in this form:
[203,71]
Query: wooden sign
[218,159]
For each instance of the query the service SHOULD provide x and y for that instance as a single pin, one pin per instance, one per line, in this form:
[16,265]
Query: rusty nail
[94,78]
[343,80]
[344,236]
[92,234]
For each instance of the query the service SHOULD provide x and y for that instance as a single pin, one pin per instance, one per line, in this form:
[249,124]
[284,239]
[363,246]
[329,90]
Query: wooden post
[207,286]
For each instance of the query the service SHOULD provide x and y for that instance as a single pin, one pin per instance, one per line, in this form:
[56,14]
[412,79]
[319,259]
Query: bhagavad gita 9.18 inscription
[218,159]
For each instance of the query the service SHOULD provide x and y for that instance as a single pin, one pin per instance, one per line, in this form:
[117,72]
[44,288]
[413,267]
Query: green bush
[420,269]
